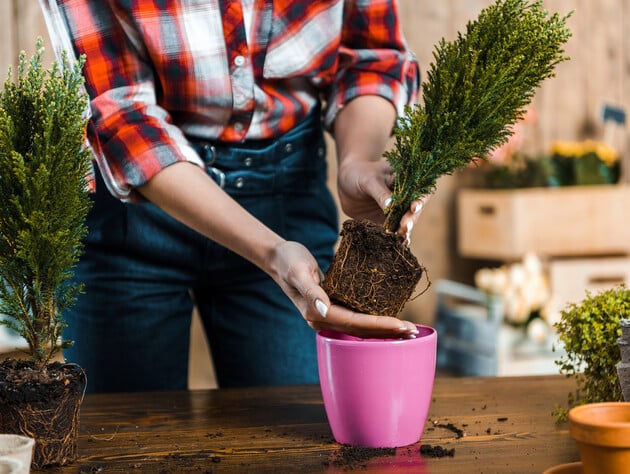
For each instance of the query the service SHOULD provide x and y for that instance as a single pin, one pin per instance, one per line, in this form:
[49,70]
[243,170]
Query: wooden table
[507,424]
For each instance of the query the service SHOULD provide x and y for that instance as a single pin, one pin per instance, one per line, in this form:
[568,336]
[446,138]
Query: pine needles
[44,200]
[477,87]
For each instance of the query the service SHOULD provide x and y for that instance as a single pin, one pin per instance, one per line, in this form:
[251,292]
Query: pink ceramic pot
[377,392]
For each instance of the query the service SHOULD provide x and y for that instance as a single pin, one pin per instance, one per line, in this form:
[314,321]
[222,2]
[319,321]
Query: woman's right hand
[297,273]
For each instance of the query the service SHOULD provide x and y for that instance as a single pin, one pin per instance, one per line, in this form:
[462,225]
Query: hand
[364,192]
[364,188]
[297,273]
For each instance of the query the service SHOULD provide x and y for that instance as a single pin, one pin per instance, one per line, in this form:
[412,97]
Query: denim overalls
[143,272]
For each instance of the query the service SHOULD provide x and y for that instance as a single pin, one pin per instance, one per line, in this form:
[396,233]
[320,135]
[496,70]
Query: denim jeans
[143,272]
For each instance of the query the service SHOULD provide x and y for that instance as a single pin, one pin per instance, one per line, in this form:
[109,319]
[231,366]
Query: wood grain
[507,423]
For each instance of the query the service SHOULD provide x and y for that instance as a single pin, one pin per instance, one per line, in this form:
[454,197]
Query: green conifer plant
[44,165]
[44,200]
[477,87]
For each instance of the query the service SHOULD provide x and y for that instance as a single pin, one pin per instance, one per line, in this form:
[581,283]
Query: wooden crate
[566,221]
[569,279]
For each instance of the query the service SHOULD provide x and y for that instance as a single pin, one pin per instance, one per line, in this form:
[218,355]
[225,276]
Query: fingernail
[408,235]
[418,207]
[387,202]
[322,309]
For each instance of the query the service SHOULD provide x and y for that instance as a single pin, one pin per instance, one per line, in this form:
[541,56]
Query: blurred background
[509,242]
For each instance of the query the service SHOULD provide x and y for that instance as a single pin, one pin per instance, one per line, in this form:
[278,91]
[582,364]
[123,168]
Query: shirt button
[239,61]
[248,161]
[238,126]
[239,182]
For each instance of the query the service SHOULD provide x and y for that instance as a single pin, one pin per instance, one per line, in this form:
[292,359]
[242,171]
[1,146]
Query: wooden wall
[568,106]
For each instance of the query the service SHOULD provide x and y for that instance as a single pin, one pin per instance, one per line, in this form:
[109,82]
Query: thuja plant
[477,87]
[588,332]
[44,166]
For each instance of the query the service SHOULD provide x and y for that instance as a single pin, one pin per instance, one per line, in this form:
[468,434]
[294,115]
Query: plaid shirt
[159,72]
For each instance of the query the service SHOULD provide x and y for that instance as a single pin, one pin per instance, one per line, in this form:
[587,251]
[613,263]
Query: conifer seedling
[44,166]
[477,87]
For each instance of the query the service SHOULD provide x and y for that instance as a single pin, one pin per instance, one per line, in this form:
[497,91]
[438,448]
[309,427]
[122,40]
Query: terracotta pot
[602,433]
[568,468]
[377,392]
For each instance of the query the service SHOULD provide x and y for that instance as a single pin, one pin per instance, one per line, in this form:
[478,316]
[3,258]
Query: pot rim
[342,339]
[589,423]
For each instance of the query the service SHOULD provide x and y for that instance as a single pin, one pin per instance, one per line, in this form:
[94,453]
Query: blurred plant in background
[584,162]
[568,163]
[524,290]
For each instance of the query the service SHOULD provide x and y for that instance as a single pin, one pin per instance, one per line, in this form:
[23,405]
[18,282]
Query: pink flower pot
[377,392]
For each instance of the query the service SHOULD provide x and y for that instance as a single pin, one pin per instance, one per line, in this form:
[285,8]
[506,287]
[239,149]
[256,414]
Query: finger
[364,325]
[407,222]
[378,185]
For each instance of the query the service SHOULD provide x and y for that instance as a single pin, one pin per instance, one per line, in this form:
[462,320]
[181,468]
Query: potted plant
[44,166]
[589,333]
[602,433]
[477,88]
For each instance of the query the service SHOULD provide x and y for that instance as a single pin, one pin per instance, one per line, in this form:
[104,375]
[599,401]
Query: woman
[207,121]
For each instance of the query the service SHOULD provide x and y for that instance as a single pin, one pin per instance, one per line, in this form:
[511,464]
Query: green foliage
[589,332]
[477,87]
[44,200]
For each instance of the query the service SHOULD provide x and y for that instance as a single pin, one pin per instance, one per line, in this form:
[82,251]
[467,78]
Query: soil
[44,405]
[373,271]
[430,451]
[21,382]
[355,457]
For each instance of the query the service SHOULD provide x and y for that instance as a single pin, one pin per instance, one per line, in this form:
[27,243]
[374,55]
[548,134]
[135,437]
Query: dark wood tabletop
[482,425]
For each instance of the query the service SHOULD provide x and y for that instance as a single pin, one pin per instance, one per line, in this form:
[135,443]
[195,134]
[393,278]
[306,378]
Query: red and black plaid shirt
[158,71]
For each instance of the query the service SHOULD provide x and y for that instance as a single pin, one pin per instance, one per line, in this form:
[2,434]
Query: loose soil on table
[373,271]
[356,457]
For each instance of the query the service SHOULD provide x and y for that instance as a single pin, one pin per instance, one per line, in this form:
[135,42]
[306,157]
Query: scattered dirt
[459,433]
[429,451]
[356,457]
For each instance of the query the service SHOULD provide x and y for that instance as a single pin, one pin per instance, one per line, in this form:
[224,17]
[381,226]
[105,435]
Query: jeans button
[288,147]
[210,153]
[239,182]
[248,161]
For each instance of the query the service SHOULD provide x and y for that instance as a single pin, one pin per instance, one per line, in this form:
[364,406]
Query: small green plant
[44,166]
[477,87]
[588,332]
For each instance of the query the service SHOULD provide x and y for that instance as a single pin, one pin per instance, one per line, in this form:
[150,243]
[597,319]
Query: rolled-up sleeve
[135,136]
[374,58]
